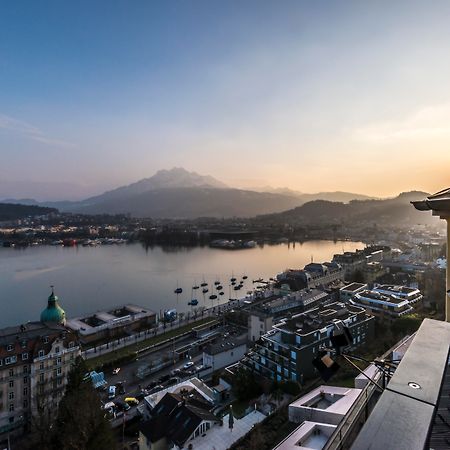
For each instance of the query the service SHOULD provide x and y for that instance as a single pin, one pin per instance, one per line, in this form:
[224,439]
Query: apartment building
[388,306]
[286,352]
[34,361]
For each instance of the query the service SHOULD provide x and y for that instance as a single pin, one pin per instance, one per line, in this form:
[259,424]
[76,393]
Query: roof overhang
[438,203]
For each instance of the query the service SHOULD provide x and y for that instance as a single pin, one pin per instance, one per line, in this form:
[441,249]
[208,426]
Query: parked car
[151,385]
[156,389]
[172,381]
[141,395]
[122,406]
[132,401]
[188,365]
[111,392]
[120,389]
[163,379]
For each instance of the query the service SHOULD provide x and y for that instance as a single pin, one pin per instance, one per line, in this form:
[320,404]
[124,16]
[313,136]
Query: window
[11,407]
[11,395]
[10,347]
[25,391]
[41,366]
[25,403]
[11,372]
[10,360]
[57,349]
[25,369]
[23,344]
[24,356]
[41,353]
[25,380]
[11,383]
[71,344]
[45,339]
[59,371]
[41,377]
[58,360]
[60,380]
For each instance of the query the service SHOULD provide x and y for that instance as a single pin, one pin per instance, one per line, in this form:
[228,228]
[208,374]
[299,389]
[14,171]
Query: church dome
[53,313]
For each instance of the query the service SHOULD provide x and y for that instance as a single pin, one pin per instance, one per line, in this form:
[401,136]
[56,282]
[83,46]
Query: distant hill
[394,211]
[336,196]
[192,202]
[10,211]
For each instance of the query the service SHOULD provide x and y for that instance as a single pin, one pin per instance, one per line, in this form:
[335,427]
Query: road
[133,384]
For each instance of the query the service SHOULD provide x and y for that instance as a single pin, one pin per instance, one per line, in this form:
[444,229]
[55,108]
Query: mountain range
[392,211]
[179,194]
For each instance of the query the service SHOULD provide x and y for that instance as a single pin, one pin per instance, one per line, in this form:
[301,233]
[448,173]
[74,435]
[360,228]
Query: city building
[224,352]
[313,275]
[176,420]
[35,359]
[262,316]
[309,435]
[286,352]
[111,324]
[325,404]
[347,292]
[412,295]
[388,306]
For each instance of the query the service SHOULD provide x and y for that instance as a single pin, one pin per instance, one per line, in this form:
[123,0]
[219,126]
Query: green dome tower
[53,313]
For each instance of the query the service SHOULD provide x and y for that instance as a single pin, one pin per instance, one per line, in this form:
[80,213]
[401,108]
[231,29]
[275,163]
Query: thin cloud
[431,122]
[30,131]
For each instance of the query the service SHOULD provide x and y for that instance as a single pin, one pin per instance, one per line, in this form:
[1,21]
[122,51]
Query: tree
[245,385]
[80,422]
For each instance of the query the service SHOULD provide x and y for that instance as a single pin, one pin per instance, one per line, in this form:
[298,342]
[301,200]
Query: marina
[111,275]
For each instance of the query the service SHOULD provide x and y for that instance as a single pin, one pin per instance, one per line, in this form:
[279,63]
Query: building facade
[286,352]
[34,361]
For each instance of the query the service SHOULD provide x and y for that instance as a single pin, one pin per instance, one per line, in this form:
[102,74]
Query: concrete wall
[225,358]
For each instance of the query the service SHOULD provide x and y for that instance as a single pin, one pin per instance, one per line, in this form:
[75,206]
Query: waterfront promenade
[160,330]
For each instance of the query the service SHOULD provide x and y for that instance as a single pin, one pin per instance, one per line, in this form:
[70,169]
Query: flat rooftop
[406,416]
[308,436]
[318,318]
[332,399]
[353,287]
[373,295]
[106,319]
[226,343]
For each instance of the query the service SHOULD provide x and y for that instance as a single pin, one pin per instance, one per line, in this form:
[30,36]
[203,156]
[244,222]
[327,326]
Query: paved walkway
[221,437]
[116,344]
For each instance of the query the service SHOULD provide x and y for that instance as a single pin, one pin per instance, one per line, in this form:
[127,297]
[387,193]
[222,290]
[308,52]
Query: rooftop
[107,319]
[27,331]
[331,399]
[308,436]
[377,296]
[353,287]
[412,412]
[318,318]
[225,344]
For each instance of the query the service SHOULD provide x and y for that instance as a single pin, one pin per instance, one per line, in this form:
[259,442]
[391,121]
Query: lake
[88,279]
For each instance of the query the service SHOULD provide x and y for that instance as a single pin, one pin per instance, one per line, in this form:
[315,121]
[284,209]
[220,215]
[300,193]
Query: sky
[310,95]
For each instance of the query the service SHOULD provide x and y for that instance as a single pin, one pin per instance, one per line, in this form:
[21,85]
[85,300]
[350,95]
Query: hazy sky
[313,95]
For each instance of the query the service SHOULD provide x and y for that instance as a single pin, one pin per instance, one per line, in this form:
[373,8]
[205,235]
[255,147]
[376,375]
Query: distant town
[252,364]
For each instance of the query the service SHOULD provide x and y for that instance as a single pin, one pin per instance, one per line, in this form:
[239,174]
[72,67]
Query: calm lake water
[88,279]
